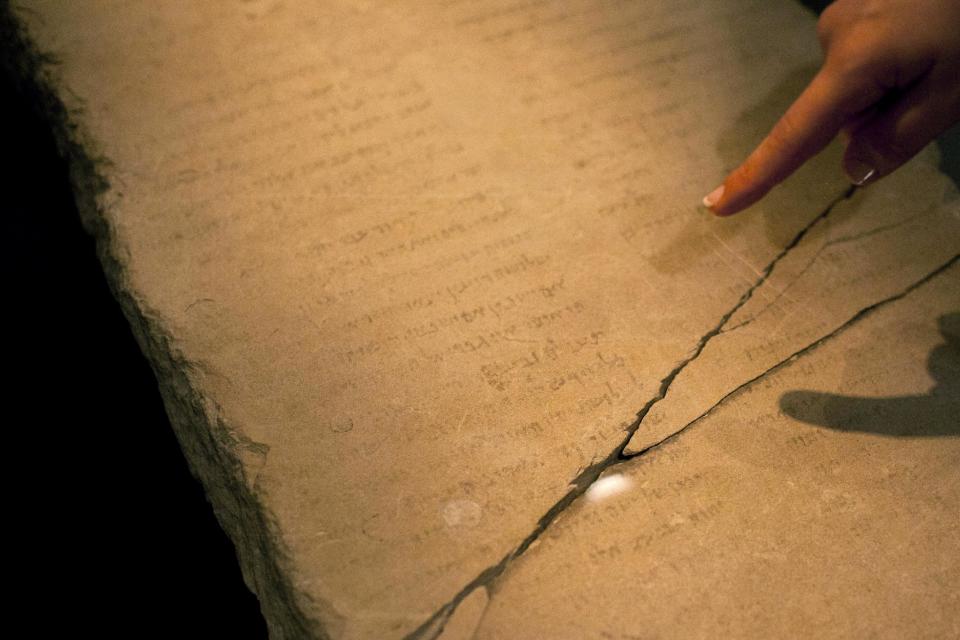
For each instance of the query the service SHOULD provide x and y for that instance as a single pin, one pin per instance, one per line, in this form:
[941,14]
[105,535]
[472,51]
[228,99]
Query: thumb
[900,131]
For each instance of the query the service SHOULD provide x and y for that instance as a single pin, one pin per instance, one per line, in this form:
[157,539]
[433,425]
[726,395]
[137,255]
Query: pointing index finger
[810,123]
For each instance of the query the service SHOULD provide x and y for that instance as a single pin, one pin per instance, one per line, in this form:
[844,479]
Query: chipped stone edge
[213,450]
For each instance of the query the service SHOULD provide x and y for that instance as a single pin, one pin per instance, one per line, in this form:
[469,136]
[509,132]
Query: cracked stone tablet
[414,275]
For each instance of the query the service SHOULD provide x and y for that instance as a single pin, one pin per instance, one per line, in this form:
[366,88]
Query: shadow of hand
[934,414]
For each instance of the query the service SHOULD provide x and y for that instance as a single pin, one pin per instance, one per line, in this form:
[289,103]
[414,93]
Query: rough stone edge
[213,451]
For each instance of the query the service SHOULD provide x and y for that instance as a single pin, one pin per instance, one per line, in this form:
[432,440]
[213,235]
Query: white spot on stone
[461,513]
[608,486]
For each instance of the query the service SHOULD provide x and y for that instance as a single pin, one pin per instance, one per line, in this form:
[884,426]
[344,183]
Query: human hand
[890,83]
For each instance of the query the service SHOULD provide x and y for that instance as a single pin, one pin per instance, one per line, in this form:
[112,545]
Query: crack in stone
[434,625]
[820,250]
[866,311]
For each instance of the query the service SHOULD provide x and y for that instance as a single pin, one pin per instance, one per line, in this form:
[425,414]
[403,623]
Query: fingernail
[713,197]
[859,172]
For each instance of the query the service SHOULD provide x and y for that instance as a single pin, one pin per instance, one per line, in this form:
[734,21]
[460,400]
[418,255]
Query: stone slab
[410,274]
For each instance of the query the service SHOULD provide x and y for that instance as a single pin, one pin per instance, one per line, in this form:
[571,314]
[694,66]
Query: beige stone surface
[821,502]
[408,271]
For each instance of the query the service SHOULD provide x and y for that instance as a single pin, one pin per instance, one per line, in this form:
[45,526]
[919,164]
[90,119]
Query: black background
[111,532]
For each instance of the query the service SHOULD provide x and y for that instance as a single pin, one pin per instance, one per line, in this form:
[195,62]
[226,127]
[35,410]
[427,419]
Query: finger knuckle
[745,176]
[825,28]
[891,148]
[851,60]
[787,130]
[829,15]
[898,148]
